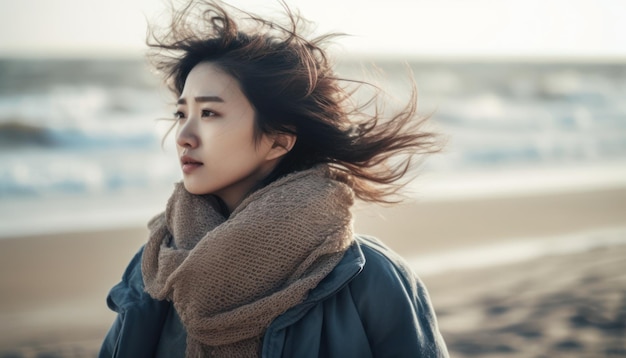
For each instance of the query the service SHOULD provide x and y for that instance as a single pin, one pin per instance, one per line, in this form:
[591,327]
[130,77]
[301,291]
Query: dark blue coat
[370,305]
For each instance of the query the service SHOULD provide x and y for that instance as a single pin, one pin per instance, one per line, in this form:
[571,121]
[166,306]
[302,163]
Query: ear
[282,144]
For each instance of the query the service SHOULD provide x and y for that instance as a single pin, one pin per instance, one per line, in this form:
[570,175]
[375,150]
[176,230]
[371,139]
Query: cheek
[241,151]
[236,141]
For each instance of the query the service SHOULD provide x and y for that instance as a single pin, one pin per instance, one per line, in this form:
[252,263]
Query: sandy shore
[558,306]
[54,286]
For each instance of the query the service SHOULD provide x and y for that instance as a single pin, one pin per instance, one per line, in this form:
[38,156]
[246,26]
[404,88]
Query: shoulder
[384,266]
[394,305]
[130,287]
[129,292]
[137,327]
[387,277]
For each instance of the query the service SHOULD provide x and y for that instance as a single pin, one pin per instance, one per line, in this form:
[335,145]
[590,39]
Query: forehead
[208,79]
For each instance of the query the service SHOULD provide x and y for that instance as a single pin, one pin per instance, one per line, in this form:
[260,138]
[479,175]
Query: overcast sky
[535,28]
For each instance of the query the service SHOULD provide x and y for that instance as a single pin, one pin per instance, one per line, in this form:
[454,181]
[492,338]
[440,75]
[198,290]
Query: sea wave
[16,134]
[91,126]
[39,173]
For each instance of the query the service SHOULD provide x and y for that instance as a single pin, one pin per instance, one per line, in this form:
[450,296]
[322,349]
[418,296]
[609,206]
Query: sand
[559,306]
[54,286]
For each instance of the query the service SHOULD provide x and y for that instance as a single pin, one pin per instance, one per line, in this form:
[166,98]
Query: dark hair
[290,82]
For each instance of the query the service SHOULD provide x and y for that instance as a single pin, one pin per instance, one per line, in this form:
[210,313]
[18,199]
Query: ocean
[81,140]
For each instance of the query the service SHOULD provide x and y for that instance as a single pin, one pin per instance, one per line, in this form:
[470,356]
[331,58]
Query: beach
[566,301]
[518,227]
[571,305]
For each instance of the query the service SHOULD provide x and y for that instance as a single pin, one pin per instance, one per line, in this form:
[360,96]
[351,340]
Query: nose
[186,135]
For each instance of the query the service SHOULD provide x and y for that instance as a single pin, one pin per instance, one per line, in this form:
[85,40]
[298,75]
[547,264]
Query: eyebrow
[202,99]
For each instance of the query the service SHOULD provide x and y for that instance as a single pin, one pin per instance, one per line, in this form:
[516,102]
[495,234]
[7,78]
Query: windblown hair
[290,82]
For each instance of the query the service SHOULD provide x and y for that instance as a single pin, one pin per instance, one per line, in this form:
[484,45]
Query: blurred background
[528,95]
[516,87]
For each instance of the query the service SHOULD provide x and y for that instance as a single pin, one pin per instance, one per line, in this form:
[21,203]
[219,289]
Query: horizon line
[354,57]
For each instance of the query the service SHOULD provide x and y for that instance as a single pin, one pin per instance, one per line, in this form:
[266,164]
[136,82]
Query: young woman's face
[215,137]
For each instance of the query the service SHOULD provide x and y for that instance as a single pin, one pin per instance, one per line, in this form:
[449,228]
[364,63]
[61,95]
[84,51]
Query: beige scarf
[229,278]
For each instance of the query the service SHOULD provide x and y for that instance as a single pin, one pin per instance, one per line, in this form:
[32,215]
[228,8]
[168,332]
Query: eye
[179,115]
[208,113]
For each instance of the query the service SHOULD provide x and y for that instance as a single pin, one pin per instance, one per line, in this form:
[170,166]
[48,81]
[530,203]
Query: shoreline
[435,226]
[414,227]
[56,213]
[516,251]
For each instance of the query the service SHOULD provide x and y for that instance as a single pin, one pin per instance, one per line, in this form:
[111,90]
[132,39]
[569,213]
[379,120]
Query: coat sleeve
[137,328]
[395,308]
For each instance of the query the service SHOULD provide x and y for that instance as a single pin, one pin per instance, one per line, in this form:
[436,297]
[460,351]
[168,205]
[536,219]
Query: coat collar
[350,265]
[347,269]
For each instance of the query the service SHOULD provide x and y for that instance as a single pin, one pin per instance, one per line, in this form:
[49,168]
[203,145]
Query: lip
[189,164]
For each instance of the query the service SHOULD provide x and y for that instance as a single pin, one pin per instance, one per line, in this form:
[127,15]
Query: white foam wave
[522,249]
[515,182]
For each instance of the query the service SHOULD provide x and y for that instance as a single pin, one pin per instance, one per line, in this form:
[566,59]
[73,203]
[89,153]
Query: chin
[192,189]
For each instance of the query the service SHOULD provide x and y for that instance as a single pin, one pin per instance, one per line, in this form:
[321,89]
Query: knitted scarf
[229,278]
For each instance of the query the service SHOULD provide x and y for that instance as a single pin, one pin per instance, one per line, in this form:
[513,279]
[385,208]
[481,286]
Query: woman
[254,255]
